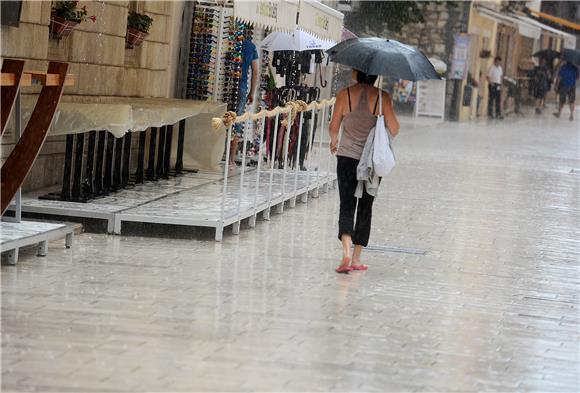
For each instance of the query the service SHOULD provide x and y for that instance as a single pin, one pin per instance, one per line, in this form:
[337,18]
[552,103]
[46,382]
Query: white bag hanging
[383,157]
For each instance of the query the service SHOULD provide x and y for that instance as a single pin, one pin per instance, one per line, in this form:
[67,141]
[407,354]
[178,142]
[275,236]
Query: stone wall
[97,57]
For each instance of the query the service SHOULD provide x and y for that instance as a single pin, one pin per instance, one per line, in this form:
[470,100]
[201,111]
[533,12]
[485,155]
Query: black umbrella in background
[548,54]
[379,56]
[571,55]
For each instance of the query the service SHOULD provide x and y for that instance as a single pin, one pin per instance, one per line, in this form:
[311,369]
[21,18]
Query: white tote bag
[383,157]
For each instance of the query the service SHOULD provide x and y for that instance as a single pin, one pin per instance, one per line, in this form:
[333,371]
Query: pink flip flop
[344,266]
[359,267]
[343,269]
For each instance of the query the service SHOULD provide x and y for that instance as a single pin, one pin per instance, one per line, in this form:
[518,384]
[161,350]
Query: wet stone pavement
[473,286]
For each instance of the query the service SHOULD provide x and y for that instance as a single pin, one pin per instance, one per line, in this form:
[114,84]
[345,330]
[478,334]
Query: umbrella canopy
[571,55]
[548,54]
[379,56]
[296,41]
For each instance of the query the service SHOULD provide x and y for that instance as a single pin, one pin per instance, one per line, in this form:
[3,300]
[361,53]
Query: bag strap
[380,96]
[349,105]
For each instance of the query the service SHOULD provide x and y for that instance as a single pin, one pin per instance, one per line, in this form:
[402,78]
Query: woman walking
[356,109]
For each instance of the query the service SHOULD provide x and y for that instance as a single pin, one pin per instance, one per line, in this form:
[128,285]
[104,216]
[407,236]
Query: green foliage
[139,21]
[68,10]
[378,16]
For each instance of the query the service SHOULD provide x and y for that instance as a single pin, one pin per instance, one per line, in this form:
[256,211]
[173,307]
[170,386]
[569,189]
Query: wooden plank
[47,79]
[8,79]
[22,157]
[8,93]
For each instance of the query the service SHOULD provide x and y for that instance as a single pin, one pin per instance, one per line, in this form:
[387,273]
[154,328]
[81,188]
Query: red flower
[93,18]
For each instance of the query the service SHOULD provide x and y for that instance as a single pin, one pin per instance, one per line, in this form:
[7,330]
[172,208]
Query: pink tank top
[356,127]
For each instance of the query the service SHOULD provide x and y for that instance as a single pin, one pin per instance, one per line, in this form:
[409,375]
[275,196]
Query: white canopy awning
[279,15]
[320,20]
[569,39]
[526,29]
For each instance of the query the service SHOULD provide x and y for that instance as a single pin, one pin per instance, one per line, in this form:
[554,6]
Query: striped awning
[278,15]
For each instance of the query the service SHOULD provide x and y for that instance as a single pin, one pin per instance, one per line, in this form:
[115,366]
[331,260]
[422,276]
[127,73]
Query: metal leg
[69,240]
[78,170]
[88,184]
[99,187]
[266,215]
[280,208]
[161,151]
[108,176]
[126,159]
[118,163]
[304,197]
[42,248]
[65,194]
[180,142]
[12,256]
[167,156]
[219,233]
[141,158]
[151,162]
[236,227]
[252,221]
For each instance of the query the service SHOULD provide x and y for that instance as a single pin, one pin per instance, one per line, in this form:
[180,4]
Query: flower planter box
[134,37]
[60,27]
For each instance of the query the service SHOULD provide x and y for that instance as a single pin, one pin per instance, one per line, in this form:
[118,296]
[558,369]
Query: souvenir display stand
[245,192]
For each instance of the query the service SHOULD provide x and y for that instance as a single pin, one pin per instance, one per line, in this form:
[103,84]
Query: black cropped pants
[360,229]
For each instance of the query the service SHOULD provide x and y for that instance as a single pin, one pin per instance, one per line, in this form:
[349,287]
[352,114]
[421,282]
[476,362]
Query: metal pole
[126,159]
[161,151]
[226,173]
[141,157]
[18,118]
[151,161]
[89,176]
[297,160]
[168,142]
[260,150]
[319,160]
[101,142]
[180,142]
[285,145]
[272,163]
[310,147]
[244,148]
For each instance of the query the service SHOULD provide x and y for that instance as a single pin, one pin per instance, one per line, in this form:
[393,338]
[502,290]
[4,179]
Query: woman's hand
[333,145]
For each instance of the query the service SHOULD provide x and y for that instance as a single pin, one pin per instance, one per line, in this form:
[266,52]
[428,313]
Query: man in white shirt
[494,78]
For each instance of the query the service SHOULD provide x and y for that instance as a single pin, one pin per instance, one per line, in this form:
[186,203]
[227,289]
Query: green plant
[139,21]
[68,10]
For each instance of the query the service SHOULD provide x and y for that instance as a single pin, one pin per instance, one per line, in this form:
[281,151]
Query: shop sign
[460,56]
[268,9]
[322,22]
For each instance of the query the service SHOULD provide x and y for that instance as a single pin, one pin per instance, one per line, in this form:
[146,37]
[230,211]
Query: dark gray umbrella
[379,56]
[548,54]
[571,55]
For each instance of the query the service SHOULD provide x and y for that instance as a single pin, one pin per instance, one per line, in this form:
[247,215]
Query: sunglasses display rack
[204,52]
[234,32]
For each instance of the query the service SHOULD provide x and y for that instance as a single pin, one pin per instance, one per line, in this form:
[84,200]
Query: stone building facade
[97,58]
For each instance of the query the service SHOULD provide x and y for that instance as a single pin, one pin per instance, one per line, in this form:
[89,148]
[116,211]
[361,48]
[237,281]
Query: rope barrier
[293,107]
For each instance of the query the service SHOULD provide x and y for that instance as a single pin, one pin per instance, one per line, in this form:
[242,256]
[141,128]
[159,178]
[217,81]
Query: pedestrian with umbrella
[361,110]
[566,81]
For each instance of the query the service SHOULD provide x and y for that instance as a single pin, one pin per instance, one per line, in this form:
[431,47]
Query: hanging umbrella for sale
[298,40]
[379,56]
[571,55]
